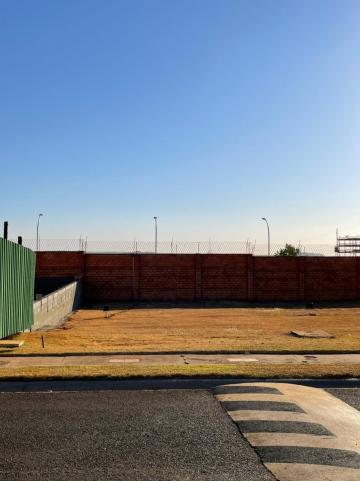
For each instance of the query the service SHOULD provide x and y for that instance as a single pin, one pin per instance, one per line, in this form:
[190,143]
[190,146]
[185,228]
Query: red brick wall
[166,276]
[115,277]
[59,264]
[332,278]
[224,276]
[108,277]
[276,278]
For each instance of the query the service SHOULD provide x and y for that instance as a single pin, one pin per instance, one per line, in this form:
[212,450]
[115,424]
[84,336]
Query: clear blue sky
[208,114]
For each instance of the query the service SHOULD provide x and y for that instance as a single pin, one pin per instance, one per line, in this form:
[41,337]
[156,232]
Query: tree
[288,250]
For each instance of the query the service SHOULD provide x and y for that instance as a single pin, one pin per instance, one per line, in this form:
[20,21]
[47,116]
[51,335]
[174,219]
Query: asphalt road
[161,435]
[122,435]
[350,395]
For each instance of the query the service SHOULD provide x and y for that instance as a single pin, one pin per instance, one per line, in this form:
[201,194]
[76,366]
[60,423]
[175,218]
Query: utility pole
[268,230]
[37,233]
[156,234]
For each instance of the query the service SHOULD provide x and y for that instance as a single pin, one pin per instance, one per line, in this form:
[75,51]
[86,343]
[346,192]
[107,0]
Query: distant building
[347,245]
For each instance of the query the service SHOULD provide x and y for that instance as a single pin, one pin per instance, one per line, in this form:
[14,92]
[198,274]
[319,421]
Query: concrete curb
[206,382]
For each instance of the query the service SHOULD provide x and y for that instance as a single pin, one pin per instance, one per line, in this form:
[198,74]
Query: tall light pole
[156,234]
[268,229]
[37,233]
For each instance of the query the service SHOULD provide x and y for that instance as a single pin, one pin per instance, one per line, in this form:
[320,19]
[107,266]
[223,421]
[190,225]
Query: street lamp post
[268,229]
[156,234]
[37,233]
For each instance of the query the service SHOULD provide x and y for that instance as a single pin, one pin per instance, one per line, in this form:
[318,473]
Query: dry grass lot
[199,329]
[280,371]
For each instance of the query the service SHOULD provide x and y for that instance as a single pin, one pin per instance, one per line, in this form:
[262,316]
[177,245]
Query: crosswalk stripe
[244,415]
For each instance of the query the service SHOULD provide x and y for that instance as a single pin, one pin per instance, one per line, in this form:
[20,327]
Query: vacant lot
[199,329]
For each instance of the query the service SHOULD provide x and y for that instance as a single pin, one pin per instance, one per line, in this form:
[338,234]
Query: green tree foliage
[288,250]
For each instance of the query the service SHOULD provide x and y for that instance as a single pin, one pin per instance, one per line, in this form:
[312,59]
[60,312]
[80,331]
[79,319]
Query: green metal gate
[17,276]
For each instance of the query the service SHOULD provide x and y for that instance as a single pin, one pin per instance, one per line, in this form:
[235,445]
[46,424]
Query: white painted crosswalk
[300,433]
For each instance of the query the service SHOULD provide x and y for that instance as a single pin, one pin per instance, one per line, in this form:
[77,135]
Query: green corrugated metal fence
[17,275]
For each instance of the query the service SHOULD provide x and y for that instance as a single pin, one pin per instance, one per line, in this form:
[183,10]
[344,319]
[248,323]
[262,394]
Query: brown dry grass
[280,371]
[198,329]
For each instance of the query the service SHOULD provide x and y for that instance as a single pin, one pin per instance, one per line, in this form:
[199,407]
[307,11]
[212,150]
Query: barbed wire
[174,247]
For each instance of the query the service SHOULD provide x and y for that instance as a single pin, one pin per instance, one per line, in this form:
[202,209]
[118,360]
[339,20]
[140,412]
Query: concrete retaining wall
[52,310]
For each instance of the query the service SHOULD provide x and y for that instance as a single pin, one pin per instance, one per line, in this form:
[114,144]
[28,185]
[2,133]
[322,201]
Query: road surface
[160,435]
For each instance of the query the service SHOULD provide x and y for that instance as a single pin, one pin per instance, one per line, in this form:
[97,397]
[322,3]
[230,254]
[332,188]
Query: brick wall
[116,277]
[59,264]
[277,278]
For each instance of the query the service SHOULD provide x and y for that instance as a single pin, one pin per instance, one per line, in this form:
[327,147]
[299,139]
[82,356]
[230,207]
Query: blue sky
[208,114]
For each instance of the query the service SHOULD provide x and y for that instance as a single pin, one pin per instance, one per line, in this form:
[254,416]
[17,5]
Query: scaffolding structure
[347,245]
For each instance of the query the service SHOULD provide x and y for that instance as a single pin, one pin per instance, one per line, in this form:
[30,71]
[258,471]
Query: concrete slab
[318,334]
[125,360]
[175,359]
[10,344]
[242,359]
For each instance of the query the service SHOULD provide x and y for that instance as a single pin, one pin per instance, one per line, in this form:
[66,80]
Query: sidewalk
[180,360]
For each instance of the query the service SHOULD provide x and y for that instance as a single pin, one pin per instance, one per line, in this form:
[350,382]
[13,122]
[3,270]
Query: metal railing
[174,247]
